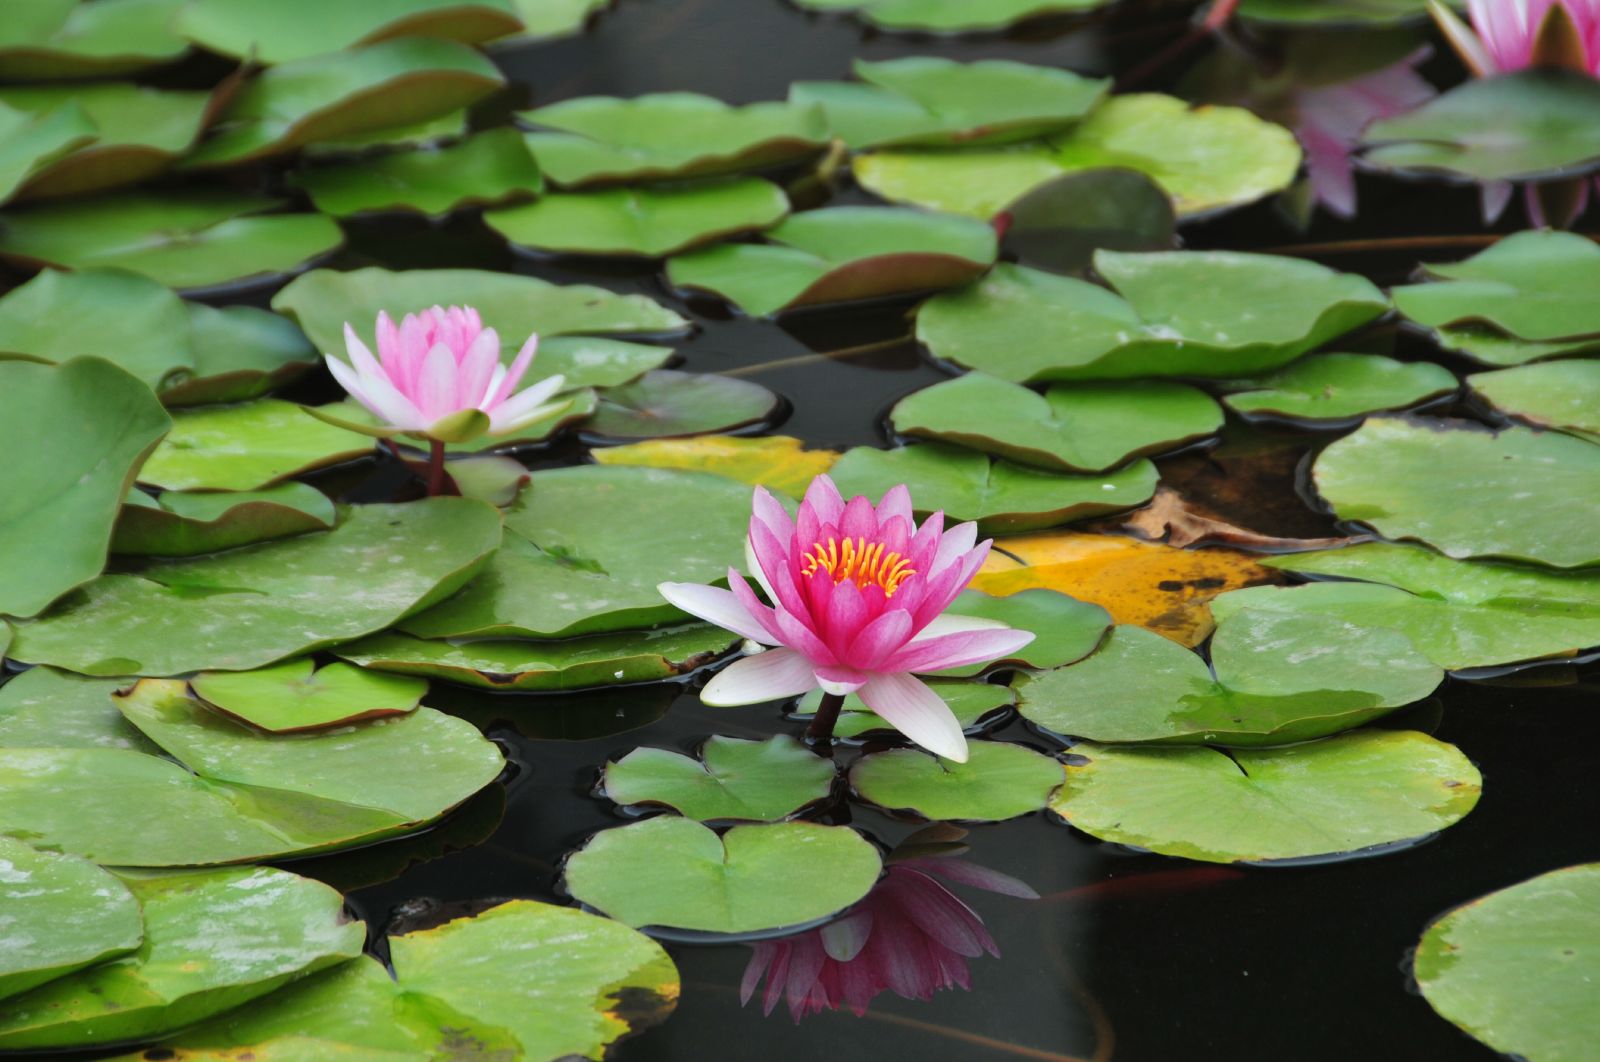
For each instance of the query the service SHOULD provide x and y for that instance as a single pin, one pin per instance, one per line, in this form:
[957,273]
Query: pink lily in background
[858,594]
[1329,121]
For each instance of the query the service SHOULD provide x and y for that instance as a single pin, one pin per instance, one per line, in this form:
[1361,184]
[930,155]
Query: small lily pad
[488,169]
[1564,395]
[664,403]
[776,461]
[677,874]
[973,704]
[30,143]
[998,781]
[297,29]
[288,698]
[44,708]
[1529,286]
[246,447]
[526,665]
[735,779]
[1339,387]
[950,16]
[180,524]
[1339,796]
[1060,225]
[840,254]
[56,39]
[1080,427]
[1066,630]
[240,353]
[1002,497]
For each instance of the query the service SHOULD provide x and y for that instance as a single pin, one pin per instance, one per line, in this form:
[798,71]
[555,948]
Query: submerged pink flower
[437,370]
[858,594]
[1331,118]
[1505,34]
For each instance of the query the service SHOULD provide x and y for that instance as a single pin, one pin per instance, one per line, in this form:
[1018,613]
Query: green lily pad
[667,135]
[751,781]
[390,83]
[45,708]
[87,424]
[779,462]
[240,353]
[972,703]
[488,169]
[180,524]
[297,29]
[193,239]
[1519,969]
[62,913]
[545,19]
[1447,483]
[246,447]
[1002,497]
[525,665]
[950,16]
[586,547]
[494,479]
[31,143]
[840,254]
[287,698]
[213,940]
[430,132]
[521,980]
[1564,395]
[677,874]
[1274,678]
[998,781]
[1334,13]
[1341,795]
[1060,225]
[515,306]
[1173,313]
[648,220]
[1207,159]
[55,39]
[1080,427]
[1493,347]
[1461,614]
[254,606]
[1510,127]
[929,102]
[1530,285]
[664,403]
[1339,387]
[585,361]
[1066,630]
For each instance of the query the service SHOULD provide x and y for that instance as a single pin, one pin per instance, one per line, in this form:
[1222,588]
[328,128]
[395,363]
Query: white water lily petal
[918,713]
[770,676]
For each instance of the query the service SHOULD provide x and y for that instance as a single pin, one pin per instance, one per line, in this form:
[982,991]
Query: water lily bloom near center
[1510,35]
[858,596]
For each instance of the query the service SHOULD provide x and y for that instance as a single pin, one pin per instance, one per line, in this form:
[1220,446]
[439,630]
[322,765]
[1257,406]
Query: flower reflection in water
[911,935]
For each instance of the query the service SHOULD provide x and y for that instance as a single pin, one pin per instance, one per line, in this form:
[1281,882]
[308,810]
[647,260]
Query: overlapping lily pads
[998,781]
[1001,496]
[487,169]
[1065,629]
[183,524]
[240,353]
[667,135]
[1274,677]
[1339,387]
[246,447]
[950,16]
[840,254]
[1173,313]
[1564,395]
[253,606]
[297,29]
[664,403]
[294,696]
[734,779]
[46,708]
[31,143]
[674,873]
[63,38]
[1529,286]
[1333,13]
[1366,789]
[1082,427]
[779,462]
[1059,225]
[1207,159]
[57,316]
[974,704]
[1447,483]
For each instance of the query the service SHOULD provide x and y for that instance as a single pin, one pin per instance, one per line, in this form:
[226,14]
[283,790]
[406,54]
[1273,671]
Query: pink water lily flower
[1505,34]
[858,597]
[438,375]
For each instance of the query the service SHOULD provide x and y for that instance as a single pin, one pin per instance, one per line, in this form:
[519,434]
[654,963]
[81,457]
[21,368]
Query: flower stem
[435,468]
[821,729]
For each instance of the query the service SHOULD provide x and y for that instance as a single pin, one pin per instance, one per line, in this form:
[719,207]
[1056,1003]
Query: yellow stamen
[859,562]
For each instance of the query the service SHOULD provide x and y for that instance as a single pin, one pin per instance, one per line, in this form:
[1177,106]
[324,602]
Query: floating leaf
[1081,427]
[840,254]
[325,97]
[974,704]
[246,447]
[585,361]
[1158,587]
[46,708]
[1492,347]
[668,134]
[30,143]
[1066,630]
[1519,969]
[930,102]
[240,353]
[1336,387]
[1001,496]
[648,220]
[1435,480]
[664,403]
[1206,158]
[213,940]
[490,168]
[949,16]
[1273,678]
[63,38]
[752,781]
[1529,285]
[1173,313]
[287,698]
[1334,13]
[179,524]
[1341,795]
[496,480]
[253,606]
[193,239]
[1061,224]
[776,461]
[62,913]
[1564,395]
[678,874]
[544,19]
[1461,614]
[998,781]
[297,29]
[87,424]
[57,316]
[569,664]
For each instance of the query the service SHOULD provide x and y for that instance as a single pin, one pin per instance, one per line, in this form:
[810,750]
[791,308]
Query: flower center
[859,562]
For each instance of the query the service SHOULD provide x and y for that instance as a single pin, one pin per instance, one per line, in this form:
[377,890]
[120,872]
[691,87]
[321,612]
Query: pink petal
[477,368]
[379,396]
[360,357]
[917,712]
[764,615]
[824,500]
[436,384]
[962,872]
[950,623]
[770,676]
[954,544]
[958,650]
[518,368]
[796,635]
[879,639]
[859,520]
[896,502]
[720,607]
[761,955]
[840,681]
[525,407]
[389,346]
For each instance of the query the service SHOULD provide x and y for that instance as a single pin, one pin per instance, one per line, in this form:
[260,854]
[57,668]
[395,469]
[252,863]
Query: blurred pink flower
[438,375]
[1331,118]
[858,594]
[1507,30]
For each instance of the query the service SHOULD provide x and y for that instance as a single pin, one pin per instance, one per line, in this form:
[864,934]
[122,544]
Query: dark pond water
[1129,956]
